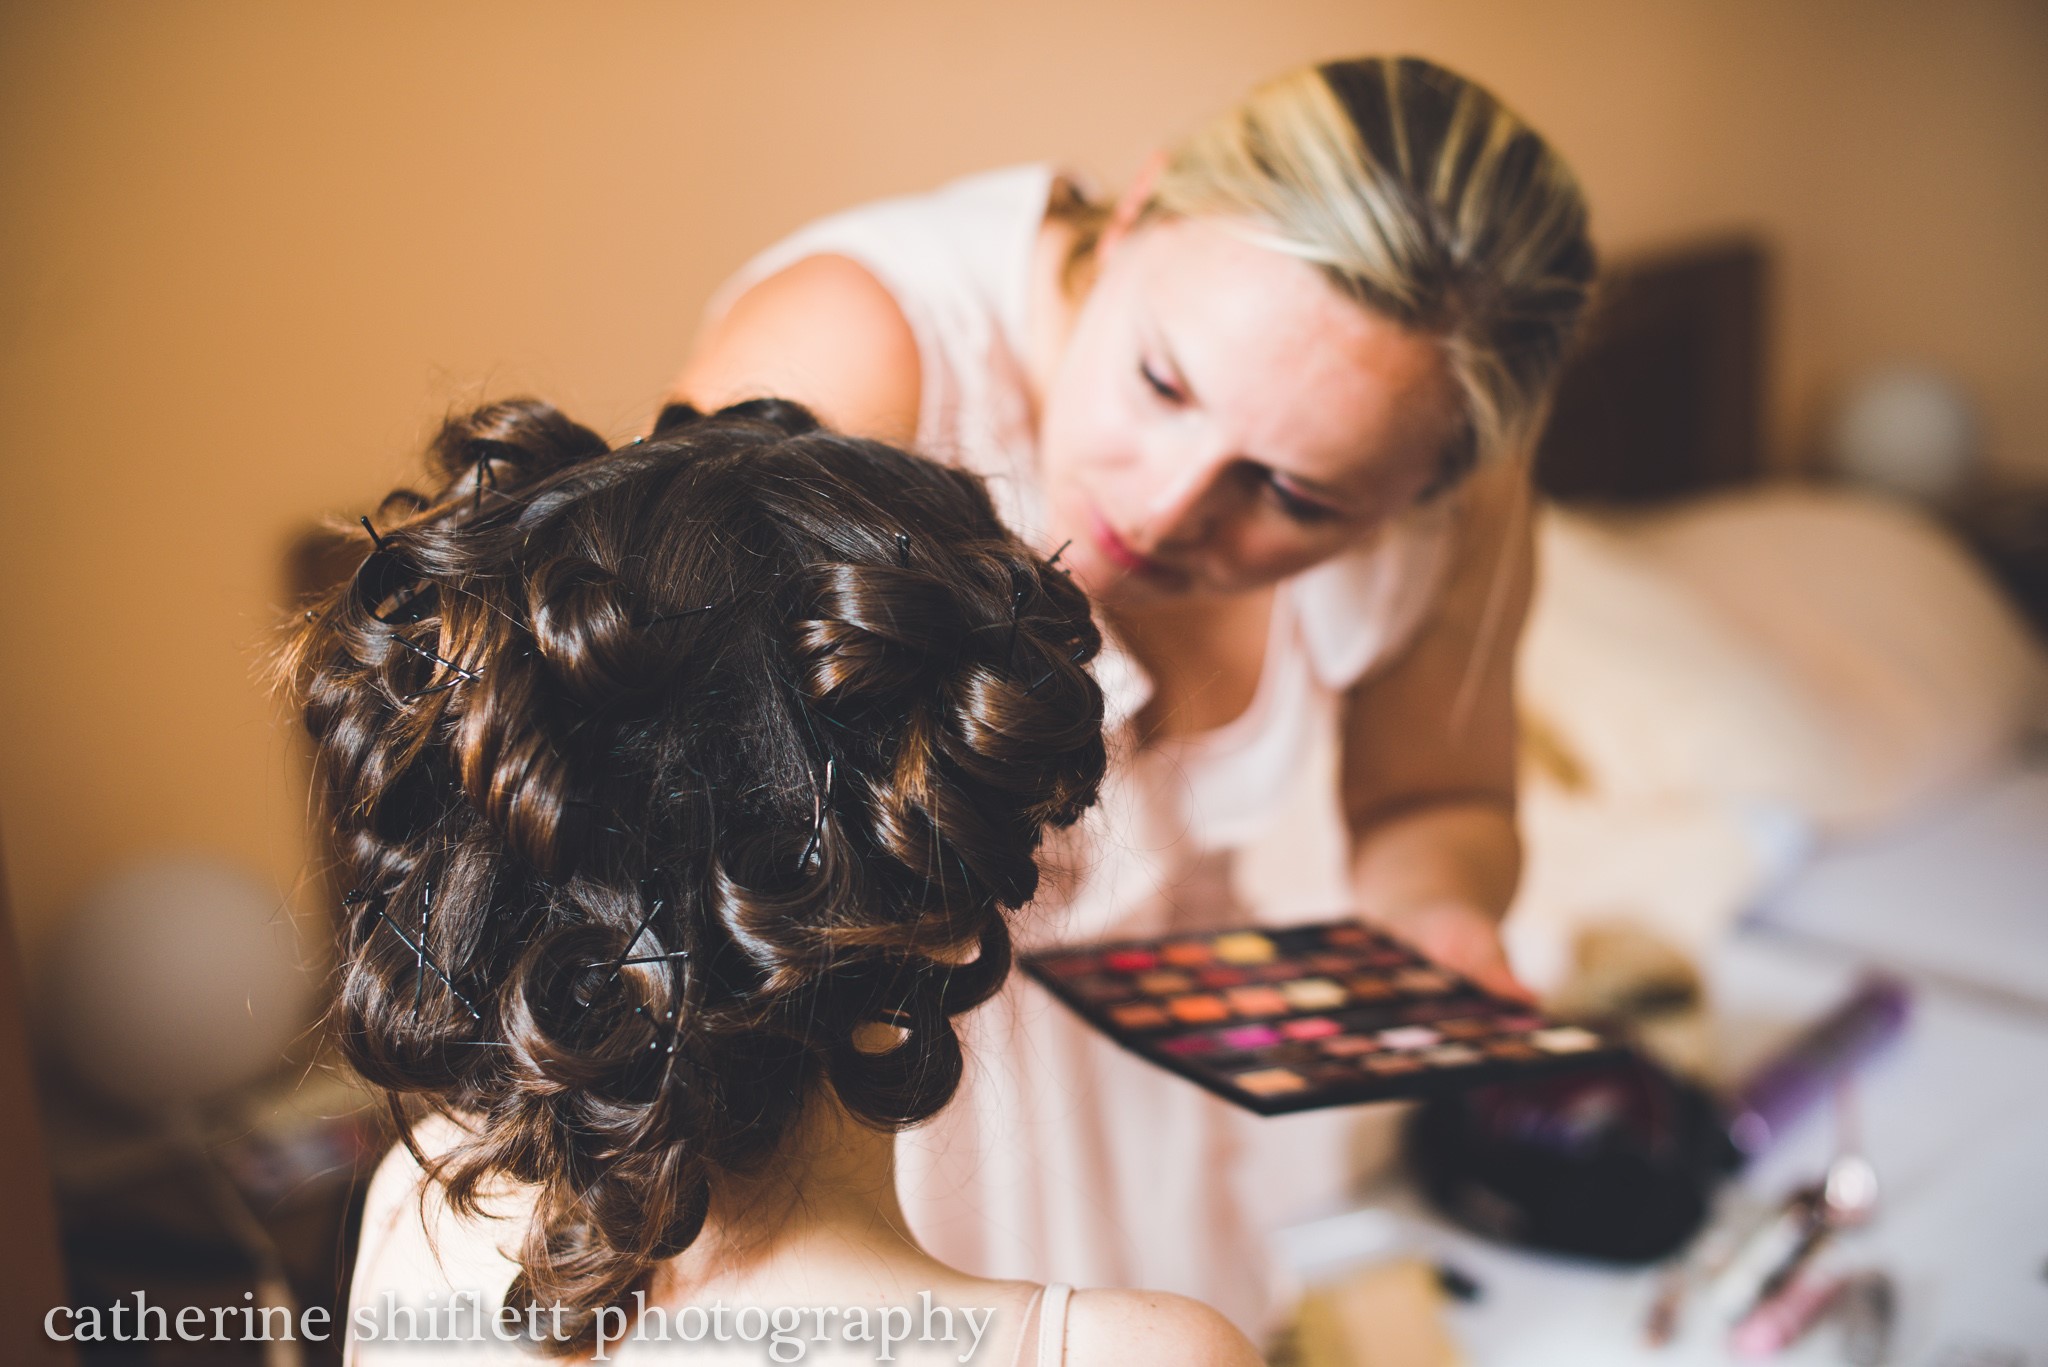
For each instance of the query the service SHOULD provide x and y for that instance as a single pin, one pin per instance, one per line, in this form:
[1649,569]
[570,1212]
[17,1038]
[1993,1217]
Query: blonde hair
[1425,199]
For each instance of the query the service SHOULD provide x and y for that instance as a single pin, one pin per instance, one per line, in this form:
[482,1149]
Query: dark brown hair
[659,771]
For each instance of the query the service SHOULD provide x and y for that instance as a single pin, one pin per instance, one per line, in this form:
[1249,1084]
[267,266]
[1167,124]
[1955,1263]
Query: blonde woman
[1274,404]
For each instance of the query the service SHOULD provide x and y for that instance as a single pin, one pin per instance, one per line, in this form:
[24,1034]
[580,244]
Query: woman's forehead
[1266,344]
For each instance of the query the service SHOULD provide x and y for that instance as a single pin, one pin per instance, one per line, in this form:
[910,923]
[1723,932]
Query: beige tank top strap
[1052,1324]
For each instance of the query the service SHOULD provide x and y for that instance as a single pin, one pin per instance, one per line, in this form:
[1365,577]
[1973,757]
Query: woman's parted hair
[660,771]
[1421,196]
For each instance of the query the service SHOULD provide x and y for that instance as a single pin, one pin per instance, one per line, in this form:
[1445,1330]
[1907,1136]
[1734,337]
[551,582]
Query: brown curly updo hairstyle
[659,772]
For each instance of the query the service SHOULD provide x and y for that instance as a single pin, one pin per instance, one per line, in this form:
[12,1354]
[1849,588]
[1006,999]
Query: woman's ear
[1130,205]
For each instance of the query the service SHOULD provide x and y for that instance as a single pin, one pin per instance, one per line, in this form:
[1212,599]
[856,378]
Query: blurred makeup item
[1386,1315]
[1865,1304]
[1782,1320]
[1781,1091]
[1779,1243]
[1302,1017]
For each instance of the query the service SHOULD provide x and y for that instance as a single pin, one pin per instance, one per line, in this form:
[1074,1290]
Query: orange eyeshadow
[1257,1001]
[1163,982]
[1271,1081]
[1186,954]
[1198,1010]
[1422,981]
[1511,1049]
[1138,1016]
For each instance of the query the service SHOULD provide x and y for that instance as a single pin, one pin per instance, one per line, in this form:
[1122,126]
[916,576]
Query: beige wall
[249,251]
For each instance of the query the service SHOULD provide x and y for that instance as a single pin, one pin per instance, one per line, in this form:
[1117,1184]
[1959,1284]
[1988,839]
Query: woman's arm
[1429,749]
[823,332]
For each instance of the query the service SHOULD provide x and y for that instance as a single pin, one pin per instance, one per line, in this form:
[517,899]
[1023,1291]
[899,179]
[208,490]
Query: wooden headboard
[1665,393]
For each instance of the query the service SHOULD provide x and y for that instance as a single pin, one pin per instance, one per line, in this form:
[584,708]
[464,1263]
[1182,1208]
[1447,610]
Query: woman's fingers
[1464,939]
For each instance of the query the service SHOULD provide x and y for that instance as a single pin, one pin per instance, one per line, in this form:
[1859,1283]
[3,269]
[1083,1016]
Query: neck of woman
[826,1203]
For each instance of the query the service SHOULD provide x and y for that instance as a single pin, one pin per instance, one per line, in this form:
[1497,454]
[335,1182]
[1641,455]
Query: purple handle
[1783,1088]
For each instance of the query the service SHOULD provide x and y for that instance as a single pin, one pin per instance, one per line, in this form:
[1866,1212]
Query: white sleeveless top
[1064,1156]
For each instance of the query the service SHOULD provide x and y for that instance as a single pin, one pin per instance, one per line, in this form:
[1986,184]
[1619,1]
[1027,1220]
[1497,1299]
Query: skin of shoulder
[823,332]
[1151,1329]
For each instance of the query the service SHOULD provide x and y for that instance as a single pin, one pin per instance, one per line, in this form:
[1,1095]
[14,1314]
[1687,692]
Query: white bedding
[1959,894]
[1714,695]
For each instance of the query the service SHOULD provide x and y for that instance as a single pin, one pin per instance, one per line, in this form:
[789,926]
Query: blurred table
[1955,1118]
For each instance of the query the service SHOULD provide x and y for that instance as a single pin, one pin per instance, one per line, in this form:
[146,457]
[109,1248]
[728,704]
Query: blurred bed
[1749,695]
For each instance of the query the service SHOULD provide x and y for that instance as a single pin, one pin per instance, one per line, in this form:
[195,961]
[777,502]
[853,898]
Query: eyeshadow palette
[1301,1017]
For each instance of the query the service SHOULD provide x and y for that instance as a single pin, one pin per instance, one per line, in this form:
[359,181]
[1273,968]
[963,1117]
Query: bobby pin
[642,959]
[426,960]
[1052,562]
[484,472]
[619,964]
[375,539]
[903,549]
[470,675]
[686,612]
[419,977]
[818,802]
[1074,658]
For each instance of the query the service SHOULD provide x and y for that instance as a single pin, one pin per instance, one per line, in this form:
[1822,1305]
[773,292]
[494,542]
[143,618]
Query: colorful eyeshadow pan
[1164,983]
[1257,1001]
[1246,1037]
[1312,994]
[1271,1081]
[1244,947]
[1296,1017]
[1138,1016]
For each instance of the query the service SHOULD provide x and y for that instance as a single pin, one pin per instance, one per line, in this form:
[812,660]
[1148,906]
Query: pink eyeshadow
[1249,1036]
[1315,1027]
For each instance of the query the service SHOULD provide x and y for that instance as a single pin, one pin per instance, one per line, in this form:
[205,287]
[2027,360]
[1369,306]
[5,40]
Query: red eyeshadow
[1220,977]
[1130,960]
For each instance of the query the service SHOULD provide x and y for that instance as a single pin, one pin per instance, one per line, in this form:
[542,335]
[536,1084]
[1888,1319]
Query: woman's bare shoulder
[1148,1328]
[824,332]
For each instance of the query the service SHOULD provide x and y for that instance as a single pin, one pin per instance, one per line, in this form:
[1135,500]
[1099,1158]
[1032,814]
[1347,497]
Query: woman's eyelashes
[1168,391]
[1297,506]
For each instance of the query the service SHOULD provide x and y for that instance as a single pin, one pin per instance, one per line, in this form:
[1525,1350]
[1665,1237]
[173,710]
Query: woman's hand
[1461,937]
[1429,752]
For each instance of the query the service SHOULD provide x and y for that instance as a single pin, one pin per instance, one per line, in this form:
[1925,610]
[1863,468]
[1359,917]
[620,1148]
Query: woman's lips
[1121,552]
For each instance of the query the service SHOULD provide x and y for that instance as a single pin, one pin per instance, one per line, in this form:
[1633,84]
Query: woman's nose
[1188,502]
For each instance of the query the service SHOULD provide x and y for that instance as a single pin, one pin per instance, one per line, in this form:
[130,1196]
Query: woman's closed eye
[1295,504]
[1166,390]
